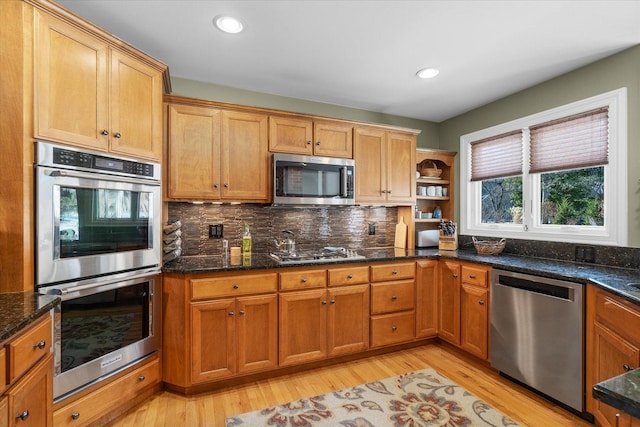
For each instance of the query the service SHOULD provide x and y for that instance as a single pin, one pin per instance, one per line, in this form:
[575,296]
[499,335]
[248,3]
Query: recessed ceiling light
[428,73]
[228,24]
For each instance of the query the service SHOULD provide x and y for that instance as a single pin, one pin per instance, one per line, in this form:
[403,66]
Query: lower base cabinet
[30,400]
[613,347]
[118,394]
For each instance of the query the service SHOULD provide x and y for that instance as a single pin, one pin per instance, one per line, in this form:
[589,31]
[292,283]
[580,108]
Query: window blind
[572,142]
[497,157]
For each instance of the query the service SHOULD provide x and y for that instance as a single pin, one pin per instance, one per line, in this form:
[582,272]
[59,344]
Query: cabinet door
[31,399]
[71,97]
[212,340]
[193,153]
[303,326]
[426,299]
[287,135]
[348,327]
[449,299]
[245,158]
[333,139]
[474,308]
[136,108]
[371,165]
[257,328]
[4,411]
[401,175]
[612,356]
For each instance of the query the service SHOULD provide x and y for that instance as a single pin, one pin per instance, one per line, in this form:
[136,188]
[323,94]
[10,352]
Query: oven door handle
[94,285]
[103,177]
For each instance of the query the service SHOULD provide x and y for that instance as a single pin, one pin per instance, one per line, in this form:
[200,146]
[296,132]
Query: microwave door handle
[102,177]
[343,182]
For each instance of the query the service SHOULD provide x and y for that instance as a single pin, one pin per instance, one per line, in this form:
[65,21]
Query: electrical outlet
[372,229]
[585,254]
[216,231]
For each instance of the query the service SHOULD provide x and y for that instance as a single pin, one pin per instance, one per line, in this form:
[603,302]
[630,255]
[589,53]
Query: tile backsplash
[314,227]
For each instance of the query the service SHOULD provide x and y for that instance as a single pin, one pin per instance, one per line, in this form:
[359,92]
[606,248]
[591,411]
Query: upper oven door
[90,224]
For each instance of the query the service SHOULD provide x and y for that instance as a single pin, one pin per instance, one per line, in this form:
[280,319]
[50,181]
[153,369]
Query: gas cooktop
[327,254]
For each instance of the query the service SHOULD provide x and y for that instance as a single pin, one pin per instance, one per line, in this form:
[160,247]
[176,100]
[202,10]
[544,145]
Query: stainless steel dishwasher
[537,334]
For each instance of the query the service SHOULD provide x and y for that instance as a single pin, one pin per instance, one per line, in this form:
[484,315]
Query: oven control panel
[92,161]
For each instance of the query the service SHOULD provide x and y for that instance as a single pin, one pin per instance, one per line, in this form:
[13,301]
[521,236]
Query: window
[559,175]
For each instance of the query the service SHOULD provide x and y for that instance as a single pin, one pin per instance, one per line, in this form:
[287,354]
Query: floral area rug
[422,398]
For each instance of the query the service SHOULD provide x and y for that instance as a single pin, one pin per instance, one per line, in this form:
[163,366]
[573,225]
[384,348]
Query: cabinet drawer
[474,275]
[381,273]
[394,328]
[392,296]
[303,279]
[348,275]
[3,370]
[30,347]
[231,286]
[100,402]
[618,317]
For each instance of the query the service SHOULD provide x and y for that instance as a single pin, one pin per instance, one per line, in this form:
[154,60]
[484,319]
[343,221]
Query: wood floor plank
[210,409]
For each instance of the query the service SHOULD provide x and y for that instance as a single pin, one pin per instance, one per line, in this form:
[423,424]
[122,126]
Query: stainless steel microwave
[313,180]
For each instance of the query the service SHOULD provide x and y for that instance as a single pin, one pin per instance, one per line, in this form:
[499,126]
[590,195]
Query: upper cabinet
[310,137]
[385,170]
[217,154]
[90,93]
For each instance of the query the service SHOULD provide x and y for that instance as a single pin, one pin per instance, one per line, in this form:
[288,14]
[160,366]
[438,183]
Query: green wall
[614,72]
[428,137]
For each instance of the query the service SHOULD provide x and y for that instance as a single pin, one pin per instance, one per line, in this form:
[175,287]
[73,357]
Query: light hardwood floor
[210,409]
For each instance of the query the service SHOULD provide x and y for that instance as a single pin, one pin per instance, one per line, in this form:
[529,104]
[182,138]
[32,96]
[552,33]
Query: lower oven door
[104,326]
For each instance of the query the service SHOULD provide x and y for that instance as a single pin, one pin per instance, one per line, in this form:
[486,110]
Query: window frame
[615,229]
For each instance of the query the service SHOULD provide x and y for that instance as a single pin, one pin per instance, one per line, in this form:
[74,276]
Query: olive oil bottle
[246,240]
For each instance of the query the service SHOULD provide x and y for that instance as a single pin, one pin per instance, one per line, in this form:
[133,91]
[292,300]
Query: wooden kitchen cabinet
[4,411]
[216,154]
[426,298]
[93,94]
[386,159]
[392,303]
[310,137]
[449,289]
[474,320]
[303,326]
[30,400]
[613,347]
[348,320]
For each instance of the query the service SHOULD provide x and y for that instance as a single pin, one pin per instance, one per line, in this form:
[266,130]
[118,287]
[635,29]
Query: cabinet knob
[332,301]
[104,132]
[241,312]
[75,415]
[350,276]
[481,302]
[389,191]
[23,416]
[141,378]
[627,367]
[215,186]
[117,135]
[231,313]
[394,328]
[303,280]
[383,191]
[394,297]
[455,276]
[236,286]
[42,344]
[226,185]
[308,142]
[394,272]
[472,276]
[317,142]
[324,302]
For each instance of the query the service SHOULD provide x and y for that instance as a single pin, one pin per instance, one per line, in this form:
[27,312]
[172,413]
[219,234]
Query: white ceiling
[364,54]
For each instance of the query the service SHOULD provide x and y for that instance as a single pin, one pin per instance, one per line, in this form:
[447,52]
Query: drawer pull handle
[394,297]
[481,302]
[42,344]
[23,416]
[141,378]
[627,367]
[350,276]
[75,415]
[394,328]
[472,276]
[394,272]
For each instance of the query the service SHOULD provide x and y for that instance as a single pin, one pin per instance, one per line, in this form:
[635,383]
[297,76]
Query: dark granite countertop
[621,392]
[19,309]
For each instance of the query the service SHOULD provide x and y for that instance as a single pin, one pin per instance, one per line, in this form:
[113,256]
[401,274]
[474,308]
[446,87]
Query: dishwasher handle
[539,287]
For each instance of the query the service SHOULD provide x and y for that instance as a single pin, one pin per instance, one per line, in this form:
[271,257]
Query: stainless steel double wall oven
[98,220]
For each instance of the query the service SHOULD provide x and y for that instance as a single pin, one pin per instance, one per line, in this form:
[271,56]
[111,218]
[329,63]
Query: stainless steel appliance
[98,247]
[313,180]
[327,254]
[537,334]
[95,215]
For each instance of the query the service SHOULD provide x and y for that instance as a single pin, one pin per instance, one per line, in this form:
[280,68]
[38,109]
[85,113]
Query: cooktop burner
[326,254]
